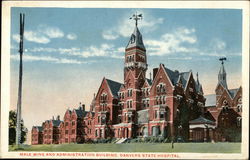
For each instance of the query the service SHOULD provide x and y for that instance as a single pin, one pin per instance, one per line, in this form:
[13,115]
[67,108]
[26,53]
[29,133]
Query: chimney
[155,70]
[58,117]
[53,118]
[80,106]
[83,107]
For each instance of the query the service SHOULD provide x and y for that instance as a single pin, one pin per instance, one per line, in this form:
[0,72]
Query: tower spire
[222,73]
[197,75]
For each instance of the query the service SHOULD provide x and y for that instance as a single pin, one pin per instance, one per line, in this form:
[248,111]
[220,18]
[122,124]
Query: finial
[150,76]
[197,75]
[136,17]
[222,59]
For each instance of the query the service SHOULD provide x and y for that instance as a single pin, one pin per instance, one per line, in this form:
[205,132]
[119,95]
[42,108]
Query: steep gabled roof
[201,120]
[114,87]
[149,81]
[184,78]
[39,128]
[56,123]
[233,92]
[173,76]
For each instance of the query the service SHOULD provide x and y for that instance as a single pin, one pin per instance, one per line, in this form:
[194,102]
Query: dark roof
[201,120]
[184,78]
[136,40]
[114,87]
[210,100]
[56,123]
[172,75]
[143,116]
[233,92]
[40,128]
[149,81]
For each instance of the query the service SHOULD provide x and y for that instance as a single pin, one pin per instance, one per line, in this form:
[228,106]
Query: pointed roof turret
[222,74]
[136,40]
[136,37]
[198,85]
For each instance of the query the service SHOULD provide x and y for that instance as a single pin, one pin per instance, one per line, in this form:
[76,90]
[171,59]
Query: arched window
[239,121]
[239,108]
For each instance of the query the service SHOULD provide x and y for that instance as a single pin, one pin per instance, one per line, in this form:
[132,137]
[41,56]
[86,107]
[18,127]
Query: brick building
[37,135]
[72,129]
[170,104]
[51,132]
[222,114]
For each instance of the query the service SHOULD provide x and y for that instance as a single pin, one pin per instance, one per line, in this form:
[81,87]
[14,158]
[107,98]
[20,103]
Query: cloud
[180,40]
[124,27]
[50,32]
[30,58]
[42,34]
[109,35]
[71,36]
[16,38]
[217,44]
[36,37]
[104,50]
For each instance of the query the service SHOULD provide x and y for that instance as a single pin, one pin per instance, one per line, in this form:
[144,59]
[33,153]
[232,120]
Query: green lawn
[138,147]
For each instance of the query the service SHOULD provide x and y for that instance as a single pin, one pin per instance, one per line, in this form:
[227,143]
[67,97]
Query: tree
[12,129]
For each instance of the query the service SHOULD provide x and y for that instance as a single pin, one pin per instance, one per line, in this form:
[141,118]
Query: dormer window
[132,40]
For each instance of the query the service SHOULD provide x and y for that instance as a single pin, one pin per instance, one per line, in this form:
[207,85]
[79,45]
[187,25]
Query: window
[130,104]
[156,114]
[239,108]
[73,131]
[239,100]
[73,123]
[130,92]
[66,124]
[66,140]
[101,133]
[66,132]
[239,121]
[163,100]
[96,133]
[99,119]
[162,114]
[129,118]
[225,102]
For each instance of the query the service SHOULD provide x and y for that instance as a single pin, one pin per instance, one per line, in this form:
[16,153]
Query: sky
[68,51]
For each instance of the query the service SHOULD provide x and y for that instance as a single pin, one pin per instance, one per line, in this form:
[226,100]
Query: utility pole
[19,101]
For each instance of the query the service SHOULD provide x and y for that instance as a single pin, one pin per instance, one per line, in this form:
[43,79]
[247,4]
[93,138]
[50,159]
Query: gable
[161,77]
[190,83]
[238,94]
[225,96]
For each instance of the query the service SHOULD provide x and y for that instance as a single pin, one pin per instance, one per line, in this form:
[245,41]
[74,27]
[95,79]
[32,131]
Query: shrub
[166,140]
[160,139]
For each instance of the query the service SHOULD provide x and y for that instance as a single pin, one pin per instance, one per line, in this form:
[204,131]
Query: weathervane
[136,17]
[223,59]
